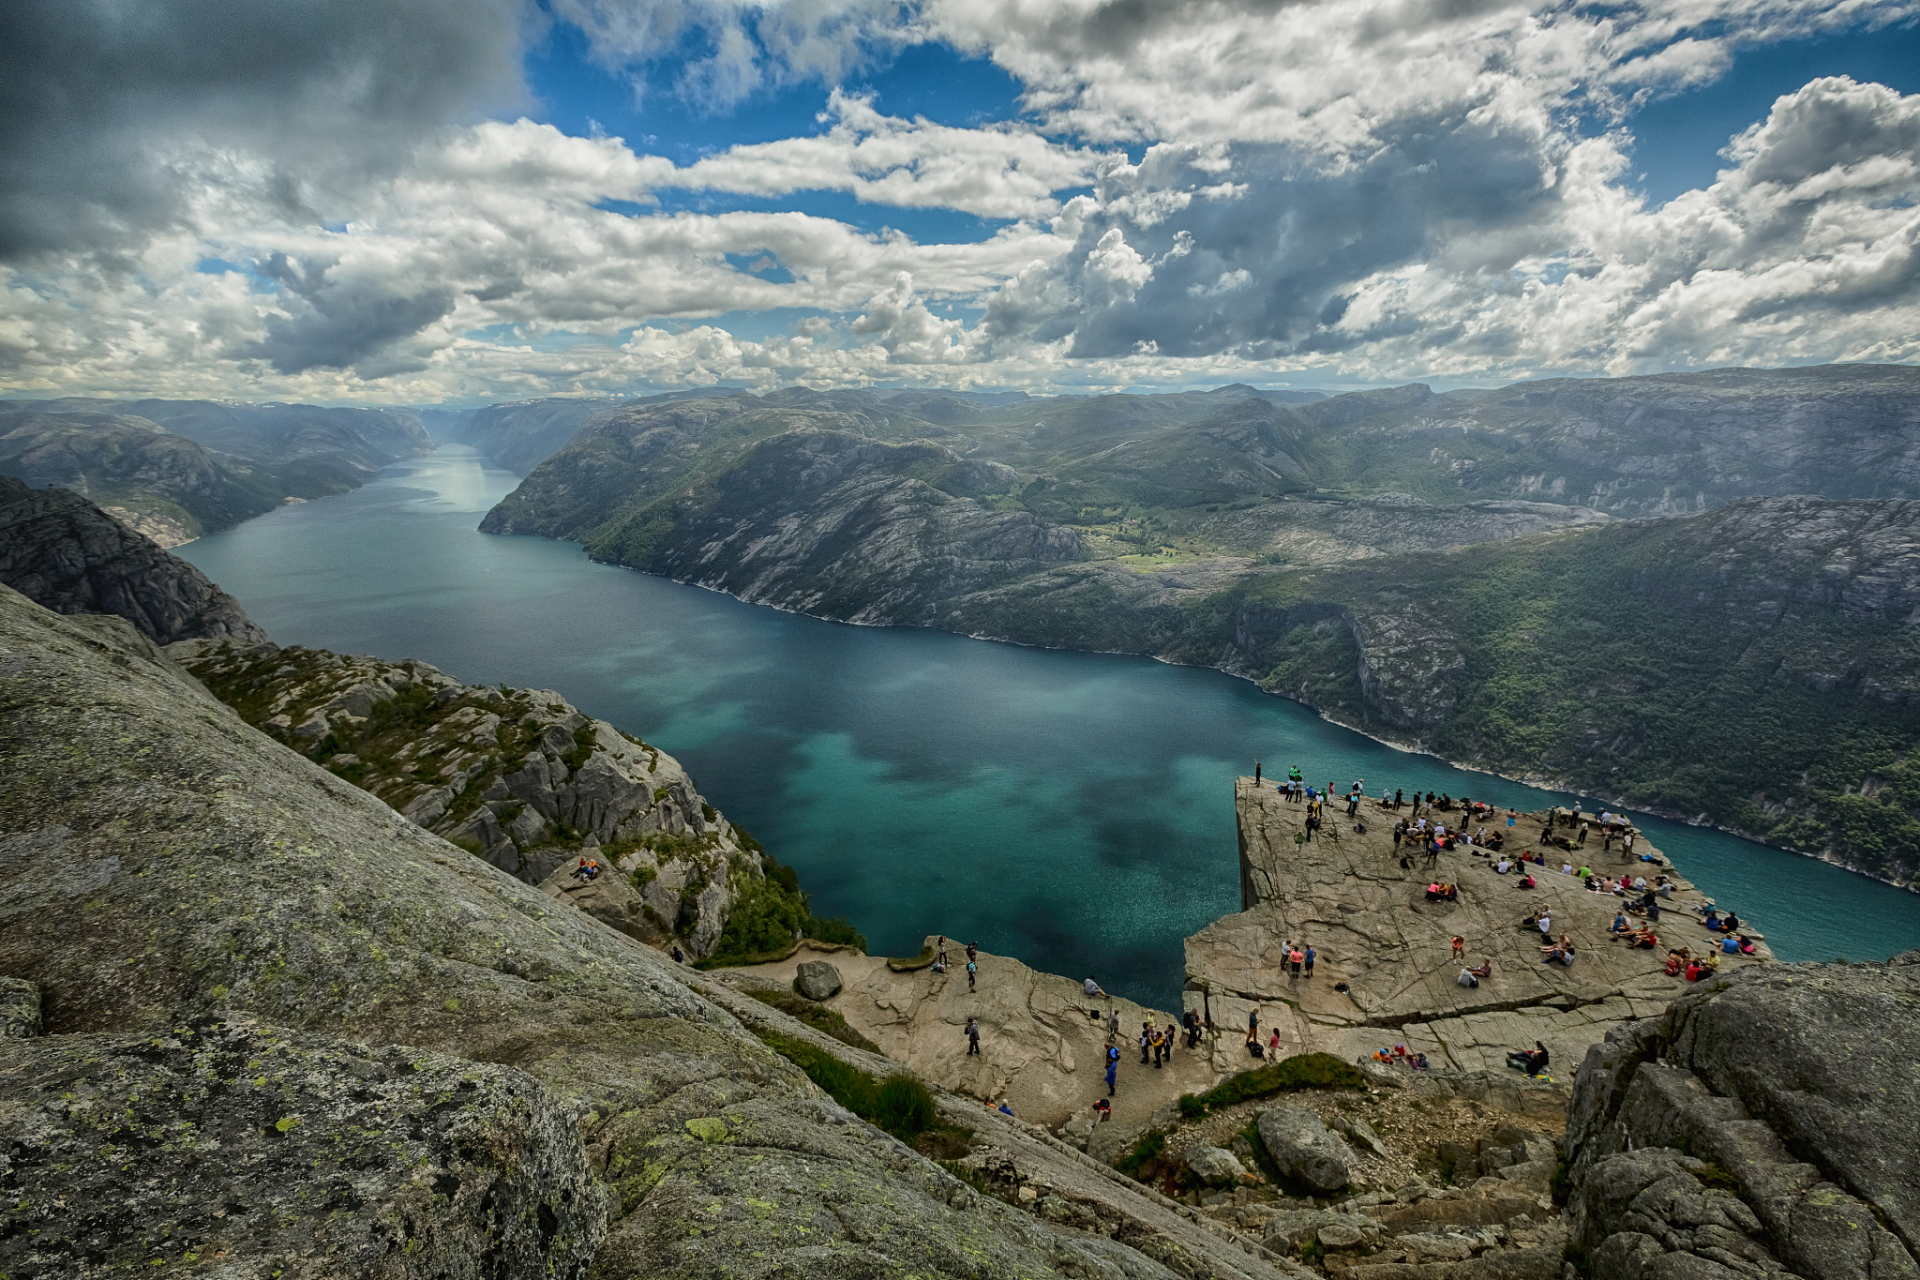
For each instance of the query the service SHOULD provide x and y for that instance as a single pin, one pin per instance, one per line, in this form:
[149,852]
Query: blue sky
[426,201]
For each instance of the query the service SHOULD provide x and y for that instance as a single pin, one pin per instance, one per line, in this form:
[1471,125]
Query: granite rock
[1212,1165]
[1303,1148]
[1698,1147]
[817,980]
[298,1154]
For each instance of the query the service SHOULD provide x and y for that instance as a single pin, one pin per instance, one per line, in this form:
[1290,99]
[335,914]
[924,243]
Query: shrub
[1302,1071]
[1144,1154]
[817,1016]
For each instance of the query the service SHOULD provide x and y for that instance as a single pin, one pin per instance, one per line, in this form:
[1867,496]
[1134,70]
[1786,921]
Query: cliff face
[1759,1127]
[61,551]
[175,469]
[163,867]
[517,776]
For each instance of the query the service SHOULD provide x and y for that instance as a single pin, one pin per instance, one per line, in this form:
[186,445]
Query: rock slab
[303,1155]
[19,1009]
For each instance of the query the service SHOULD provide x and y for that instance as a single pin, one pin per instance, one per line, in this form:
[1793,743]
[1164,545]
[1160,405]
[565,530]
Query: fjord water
[1074,810]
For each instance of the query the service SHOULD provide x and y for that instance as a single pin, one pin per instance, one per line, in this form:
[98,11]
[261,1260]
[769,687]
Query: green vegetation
[817,1016]
[1143,1158]
[770,914]
[908,964]
[1302,1071]
[899,1104]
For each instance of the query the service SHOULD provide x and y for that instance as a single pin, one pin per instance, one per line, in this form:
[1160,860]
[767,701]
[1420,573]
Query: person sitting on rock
[583,871]
[1093,988]
[1712,921]
[1483,971]
[1618,927]
[1730,945]
[1102,1110]
[1746,945]
[1527,881]
[1501,867]
[1730,922]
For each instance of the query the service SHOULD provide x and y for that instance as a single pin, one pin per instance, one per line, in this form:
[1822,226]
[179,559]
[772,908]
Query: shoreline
[1540,784]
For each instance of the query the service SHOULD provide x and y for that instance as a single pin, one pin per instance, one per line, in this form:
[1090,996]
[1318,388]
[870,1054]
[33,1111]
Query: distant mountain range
[1502,577]
[174,469]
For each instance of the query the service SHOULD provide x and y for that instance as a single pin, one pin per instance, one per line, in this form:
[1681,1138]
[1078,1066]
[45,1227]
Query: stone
[817,980]
[288,1153]
[1438,1246]
[1293,1230]
[1303,1149]
[1213,1166]
[1361,1133]
[19,1009]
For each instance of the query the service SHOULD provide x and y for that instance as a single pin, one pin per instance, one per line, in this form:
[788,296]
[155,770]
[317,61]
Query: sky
[465,201]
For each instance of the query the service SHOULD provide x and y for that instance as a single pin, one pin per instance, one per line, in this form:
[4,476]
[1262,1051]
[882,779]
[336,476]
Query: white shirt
[1092,986]
[1546,925]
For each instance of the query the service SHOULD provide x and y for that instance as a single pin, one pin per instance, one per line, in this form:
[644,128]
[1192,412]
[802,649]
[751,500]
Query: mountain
[1477,574]
[522,435]
[175,469]
[64,553]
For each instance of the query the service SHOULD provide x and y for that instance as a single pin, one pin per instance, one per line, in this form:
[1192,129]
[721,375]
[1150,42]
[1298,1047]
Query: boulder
[19,1009]
[1213,1166]
[285,1153]
[817,980]
[1303,1148]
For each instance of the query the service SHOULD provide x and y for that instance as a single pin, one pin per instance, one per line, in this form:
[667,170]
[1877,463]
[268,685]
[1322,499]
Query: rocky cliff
[175,469]
[1760,1127]
[226,936]
[517,776]
[61,551]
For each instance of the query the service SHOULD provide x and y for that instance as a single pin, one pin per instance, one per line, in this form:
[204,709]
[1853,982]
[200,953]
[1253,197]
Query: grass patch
[817,1016]
[1302,1071]
[899,1104]
[908,964]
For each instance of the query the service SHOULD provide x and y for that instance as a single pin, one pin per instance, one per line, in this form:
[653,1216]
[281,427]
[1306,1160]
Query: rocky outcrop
[1758,1127]
[516,776]
[285,1153]
[1385,972]
[61,551]
[161,862]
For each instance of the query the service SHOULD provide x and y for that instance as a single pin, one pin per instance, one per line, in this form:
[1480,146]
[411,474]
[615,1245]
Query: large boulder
[1294,1230]
[296,1155]
[1760,1124]
[817,980]
[1304,1149]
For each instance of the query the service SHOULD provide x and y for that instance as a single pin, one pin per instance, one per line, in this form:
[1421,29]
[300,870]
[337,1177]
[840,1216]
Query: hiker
[1093,988]
[1172,1035]
[1253,1026]
[1256,773]
[973,1036]
[1113,1067]
[973,951]
[679,956]
[1003,1108]
[1113,1024]
[973,974]
[1146,1041]
[1532,1061]
[584,871]
[1309,960]
[940,953]
[1295,958]
[1484,971]
[1273,1047]
[1459,947]
[1102,1110]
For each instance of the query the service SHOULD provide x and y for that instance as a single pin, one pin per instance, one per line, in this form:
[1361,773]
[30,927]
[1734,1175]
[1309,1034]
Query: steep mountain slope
[64,553]
[175,469]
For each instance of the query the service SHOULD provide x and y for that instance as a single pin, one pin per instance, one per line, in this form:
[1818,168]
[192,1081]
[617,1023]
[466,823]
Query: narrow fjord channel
[1075,810]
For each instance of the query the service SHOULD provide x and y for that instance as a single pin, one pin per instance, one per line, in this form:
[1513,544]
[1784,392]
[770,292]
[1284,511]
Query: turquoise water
[1073,809]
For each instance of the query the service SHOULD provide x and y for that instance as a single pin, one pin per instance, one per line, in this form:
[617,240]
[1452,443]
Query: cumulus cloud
[117,109]
[1368,189]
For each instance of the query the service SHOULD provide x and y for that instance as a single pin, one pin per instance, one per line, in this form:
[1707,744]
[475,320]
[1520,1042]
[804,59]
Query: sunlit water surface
[1075,810]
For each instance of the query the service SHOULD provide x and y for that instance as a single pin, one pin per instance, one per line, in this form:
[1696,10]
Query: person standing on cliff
[973,1036]
[1256,773]
[1113,1066]
[940,952]
[973,973]
[1309,959]
[1113,1024]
